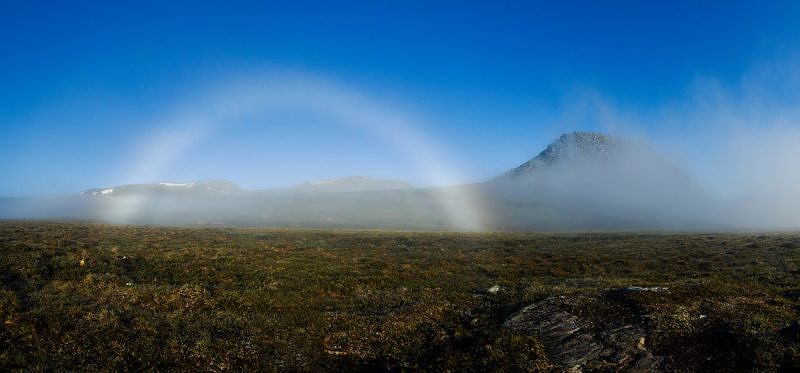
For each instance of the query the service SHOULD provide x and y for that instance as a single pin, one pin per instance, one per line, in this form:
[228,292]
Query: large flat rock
[577,344]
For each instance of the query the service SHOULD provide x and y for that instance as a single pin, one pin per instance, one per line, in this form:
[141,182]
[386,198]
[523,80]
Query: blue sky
[88,87]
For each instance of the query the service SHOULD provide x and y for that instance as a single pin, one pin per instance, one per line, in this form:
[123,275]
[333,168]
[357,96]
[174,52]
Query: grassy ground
[102,297]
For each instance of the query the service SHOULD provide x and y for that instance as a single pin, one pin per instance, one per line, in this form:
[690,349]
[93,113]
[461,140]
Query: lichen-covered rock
[574,343]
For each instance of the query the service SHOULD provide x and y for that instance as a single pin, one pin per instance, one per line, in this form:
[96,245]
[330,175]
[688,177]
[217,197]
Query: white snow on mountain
[176,185]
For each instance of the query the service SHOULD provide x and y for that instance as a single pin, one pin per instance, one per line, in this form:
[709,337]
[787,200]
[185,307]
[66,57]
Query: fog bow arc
[184,129]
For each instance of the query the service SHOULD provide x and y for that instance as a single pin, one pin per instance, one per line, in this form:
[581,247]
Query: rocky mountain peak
[571,146]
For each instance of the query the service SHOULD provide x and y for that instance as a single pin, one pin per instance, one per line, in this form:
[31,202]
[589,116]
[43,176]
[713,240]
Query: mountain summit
[575,146]
[592,161]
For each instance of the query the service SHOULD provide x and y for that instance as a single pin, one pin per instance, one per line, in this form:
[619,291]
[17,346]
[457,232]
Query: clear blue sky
[84,84]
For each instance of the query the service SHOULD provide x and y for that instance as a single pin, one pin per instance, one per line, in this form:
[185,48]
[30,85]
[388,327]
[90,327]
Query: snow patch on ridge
[177,185]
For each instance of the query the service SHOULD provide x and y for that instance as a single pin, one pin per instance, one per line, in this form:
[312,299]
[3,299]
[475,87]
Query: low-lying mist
[583,181]
[625,187]
[738,143]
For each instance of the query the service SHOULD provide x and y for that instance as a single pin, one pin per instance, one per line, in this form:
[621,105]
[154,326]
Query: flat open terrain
[103,297]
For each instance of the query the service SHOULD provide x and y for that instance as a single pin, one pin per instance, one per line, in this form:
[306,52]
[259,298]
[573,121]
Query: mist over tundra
[724,160]
[738,142]
[581,181]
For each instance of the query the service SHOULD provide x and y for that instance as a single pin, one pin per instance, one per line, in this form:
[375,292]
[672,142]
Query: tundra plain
[81,296]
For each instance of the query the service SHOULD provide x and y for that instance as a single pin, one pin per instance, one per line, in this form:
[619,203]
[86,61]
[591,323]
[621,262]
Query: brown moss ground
[158,298]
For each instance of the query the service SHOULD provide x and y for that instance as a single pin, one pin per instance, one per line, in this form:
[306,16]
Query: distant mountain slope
[352,202]
[197,187]
[352,184]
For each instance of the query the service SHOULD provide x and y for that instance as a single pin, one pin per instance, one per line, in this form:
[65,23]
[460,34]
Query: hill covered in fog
[589,180]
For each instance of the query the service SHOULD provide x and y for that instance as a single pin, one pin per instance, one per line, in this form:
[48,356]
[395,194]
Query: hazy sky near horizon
[270,94]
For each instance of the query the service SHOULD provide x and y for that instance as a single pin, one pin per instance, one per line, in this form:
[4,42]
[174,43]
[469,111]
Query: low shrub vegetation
[102,297]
